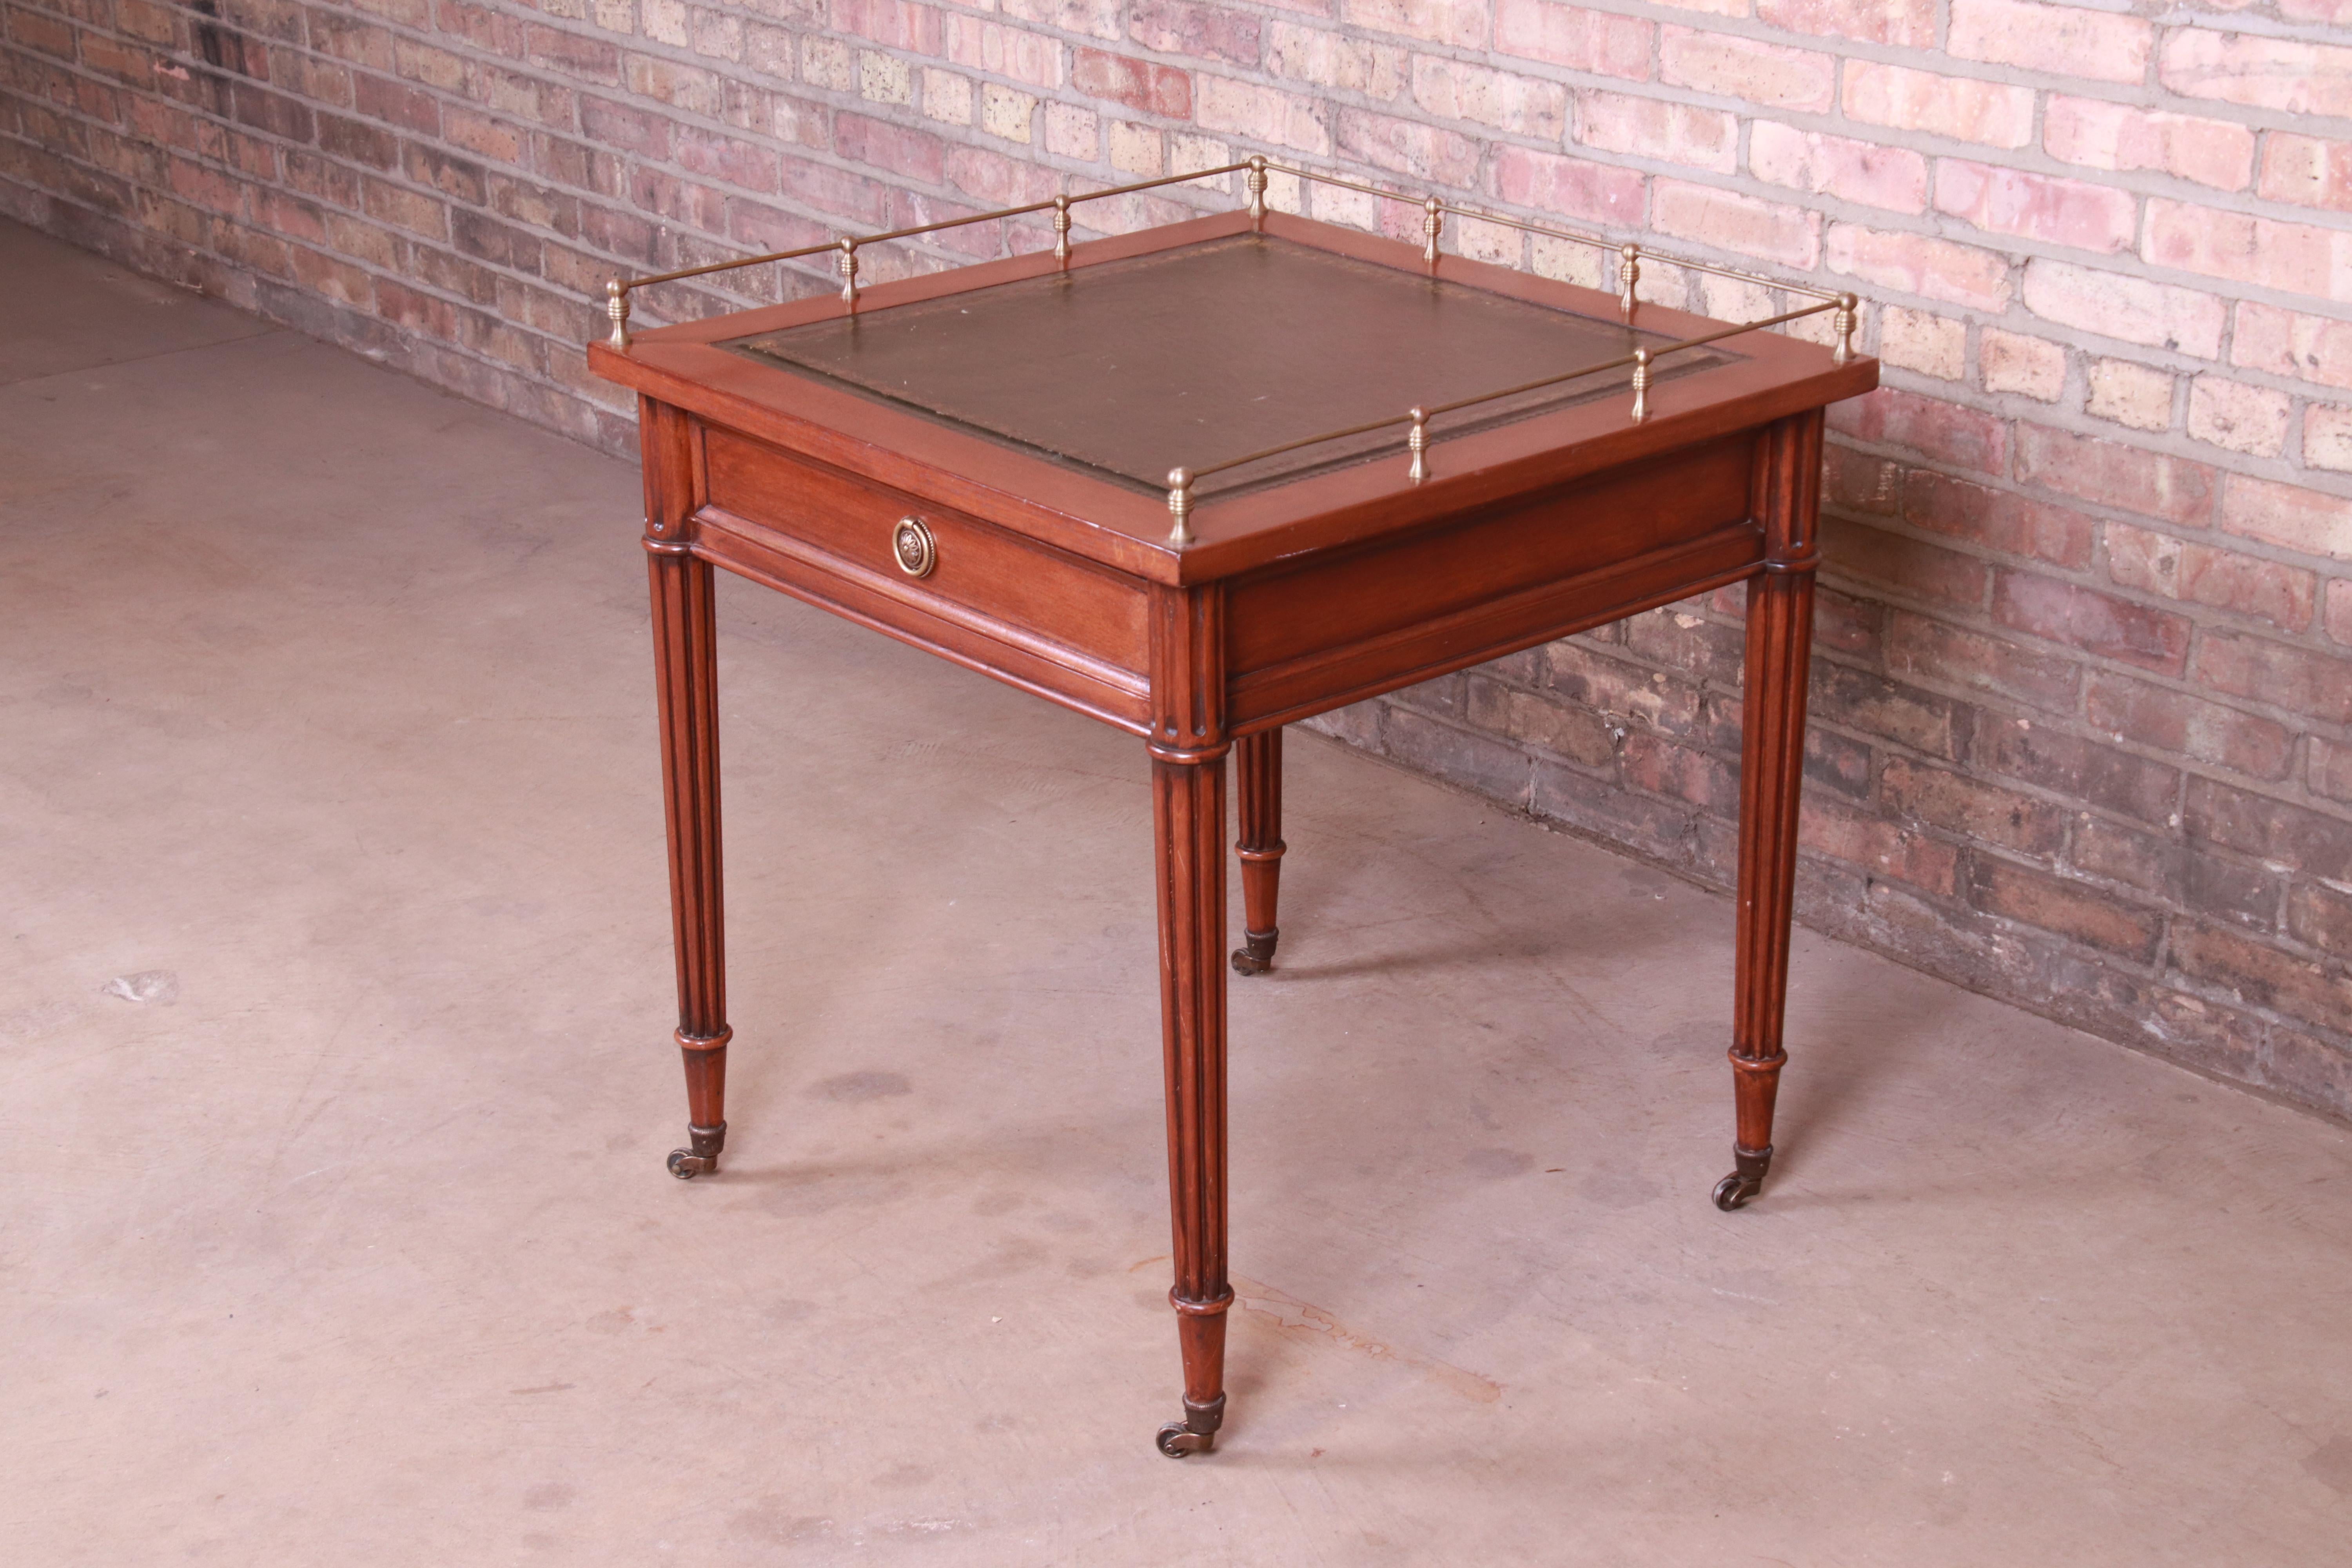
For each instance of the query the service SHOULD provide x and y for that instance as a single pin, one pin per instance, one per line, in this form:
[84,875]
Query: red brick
[1423,152]
[2070,909]
[1965,437]
[2107,473]
[1999,520]
[1928,649]
[2307,171]
[627,126]
[1891,177]
[2096,623]
[1860,481]
[2104,777]
[1973,807]
[1608,685]
[835,192]
[1461,22]
[1873,842]
[2313,843]
[1963,108]
[49,35]
[590,59]
[2321,917]
[1857,699]
[915,154]
[996,180]
[2330,772]
[1524,105]
[1203,32]
[2263,73]
[1662,767]
[1906,24]
[1568,187]
[1577,733]
[1774,231]
[2036,206]
[2288,516]
[1915,569]
[2263,976]
[278,114]
[358,143]
[1675,132]
[2293,257]
[2102,135]
[2063,40]
[2132,308]
[1600,42]
[2292,344]
[402,105]
[2300,681]
[728,158]
[1025,57]
[1141,85]
[2339,610]
[894,23]
[2177,722]
[1921,264]
[1284,119]
[2202,574]
[1734,67]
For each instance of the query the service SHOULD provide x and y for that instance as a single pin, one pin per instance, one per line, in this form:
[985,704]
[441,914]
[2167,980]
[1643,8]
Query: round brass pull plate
[916,551]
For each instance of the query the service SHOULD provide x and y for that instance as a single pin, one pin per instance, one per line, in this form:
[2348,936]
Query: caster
[1176,1440]
[1746,1181]
[1197,1433]
[701,1158]
[1255,955]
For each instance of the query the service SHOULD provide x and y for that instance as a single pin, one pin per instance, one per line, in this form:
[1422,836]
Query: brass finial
[1842,323]
[1432,218]
[1641,385]
[1256,181]
[1062,229]
[1179,507]
[617,305]
[1629,273]
[1417,443]
[849,272]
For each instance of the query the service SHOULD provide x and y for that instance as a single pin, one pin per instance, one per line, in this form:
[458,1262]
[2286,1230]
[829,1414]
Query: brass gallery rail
[1417,437]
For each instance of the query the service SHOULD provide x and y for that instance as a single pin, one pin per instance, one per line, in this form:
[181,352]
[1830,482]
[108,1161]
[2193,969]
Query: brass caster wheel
[1747,1178]
[1176,1440]
[1256,954]
[701,1157]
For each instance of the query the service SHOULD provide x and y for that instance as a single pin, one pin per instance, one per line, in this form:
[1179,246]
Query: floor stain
[1297,1317]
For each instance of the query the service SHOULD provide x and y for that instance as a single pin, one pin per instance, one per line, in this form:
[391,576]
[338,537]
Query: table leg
[1188,813]
[1780,652]
[686,671]
[1257,759]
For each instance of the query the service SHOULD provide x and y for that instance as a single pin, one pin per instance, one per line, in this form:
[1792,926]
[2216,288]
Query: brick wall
[2085,670]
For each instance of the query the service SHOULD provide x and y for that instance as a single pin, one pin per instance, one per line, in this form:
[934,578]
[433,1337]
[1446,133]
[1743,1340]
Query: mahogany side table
[1201,481]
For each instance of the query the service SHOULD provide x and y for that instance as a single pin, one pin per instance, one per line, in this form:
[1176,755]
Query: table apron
[1014,655]
[1334,677]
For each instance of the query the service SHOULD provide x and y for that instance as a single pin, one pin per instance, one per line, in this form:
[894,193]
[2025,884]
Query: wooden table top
[1055,401]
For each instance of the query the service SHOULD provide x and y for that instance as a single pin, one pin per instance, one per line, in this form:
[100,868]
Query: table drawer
[986,596]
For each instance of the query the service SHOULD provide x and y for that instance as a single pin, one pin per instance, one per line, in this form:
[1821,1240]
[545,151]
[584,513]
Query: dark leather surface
[1206,352]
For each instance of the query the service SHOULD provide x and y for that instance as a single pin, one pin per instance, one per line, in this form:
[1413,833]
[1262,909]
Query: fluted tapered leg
[1772,755]
[1257,762]
[686,673]
[1188,800]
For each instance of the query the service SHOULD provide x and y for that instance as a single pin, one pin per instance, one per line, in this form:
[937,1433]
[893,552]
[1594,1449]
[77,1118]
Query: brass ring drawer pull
[912,545]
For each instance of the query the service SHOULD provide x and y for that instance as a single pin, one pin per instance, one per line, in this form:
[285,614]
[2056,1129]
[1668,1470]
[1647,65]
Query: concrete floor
[334,1040]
